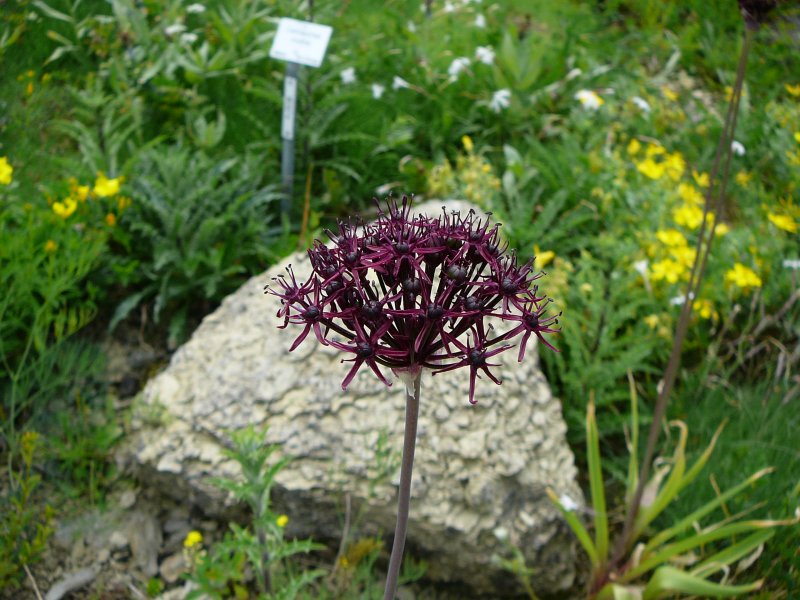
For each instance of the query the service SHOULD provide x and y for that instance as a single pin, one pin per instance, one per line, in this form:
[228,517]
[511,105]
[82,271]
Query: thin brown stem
[713,200]
[404,494]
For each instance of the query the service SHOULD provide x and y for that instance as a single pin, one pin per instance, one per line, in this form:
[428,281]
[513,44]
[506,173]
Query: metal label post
[287,133]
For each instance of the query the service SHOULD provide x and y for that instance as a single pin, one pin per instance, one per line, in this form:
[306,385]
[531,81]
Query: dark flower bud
[333,287]
[508,286]
[402,248]
[456,273]
[412,286]
[477,358]
[434,312]
[372,310]
[364,350]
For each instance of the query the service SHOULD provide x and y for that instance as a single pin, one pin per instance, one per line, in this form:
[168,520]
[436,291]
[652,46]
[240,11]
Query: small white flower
[399,82]
[641,103]
[573,73]
[377,91]
[189,38]
[568,503]
[411,26]
[640,266]
[449,7]
[737,148]
[680,300]
[348,75]
[484,54]
[791,263]
[501,533]
[480,21]
[589,99]
[196,8]
[174,29]
[500,99]
[458,65]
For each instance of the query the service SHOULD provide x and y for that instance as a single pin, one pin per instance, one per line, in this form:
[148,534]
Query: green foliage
[261,546]
[44,267]
[647,569]
[25,524]
[195,229]
[81,444]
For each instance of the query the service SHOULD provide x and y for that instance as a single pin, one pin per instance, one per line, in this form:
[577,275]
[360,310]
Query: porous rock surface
[480,471]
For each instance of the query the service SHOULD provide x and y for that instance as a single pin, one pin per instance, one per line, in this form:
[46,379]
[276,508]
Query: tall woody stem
[404,494]
[720,173]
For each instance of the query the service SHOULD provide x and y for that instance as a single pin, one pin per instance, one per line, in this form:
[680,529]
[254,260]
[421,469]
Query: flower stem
[404,494]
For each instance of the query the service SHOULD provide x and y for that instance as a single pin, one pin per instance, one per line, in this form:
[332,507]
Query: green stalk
[404,494]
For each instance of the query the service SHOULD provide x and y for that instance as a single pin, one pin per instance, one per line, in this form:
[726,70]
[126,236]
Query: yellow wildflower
[655,150]
[193,538]
[721,229]
[688,216]
[690,194]
[742,276]
[634,146]
[784,222]
[543,258]
[29,88]
[700,179]
[794,90]
[343,562]
[66,208]
[6,171]
[797,136]
[652,321]
[674,165]
[669,94]
[111,219]
[743,178]
[684,256]
[705,308]
[728,93]
[105,187]
[671,237]
[486,168]
[586,288]
[282,521]
[666,270]
[123,202]
[467,141]
[650,168]
[50,246]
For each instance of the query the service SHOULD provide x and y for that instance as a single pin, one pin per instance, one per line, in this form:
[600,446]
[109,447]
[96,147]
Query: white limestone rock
[477,468]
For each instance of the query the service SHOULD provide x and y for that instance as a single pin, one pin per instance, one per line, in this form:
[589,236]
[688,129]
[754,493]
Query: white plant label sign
[301,42]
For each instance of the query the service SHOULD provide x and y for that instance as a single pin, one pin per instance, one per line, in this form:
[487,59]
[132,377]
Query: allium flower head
[407,293]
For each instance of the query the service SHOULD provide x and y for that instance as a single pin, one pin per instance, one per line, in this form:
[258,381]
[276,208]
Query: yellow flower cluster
[193,538]
[103,188]
[473,176]
[784,216]
[680,257]
[6,171]
[657,162]
[743,277]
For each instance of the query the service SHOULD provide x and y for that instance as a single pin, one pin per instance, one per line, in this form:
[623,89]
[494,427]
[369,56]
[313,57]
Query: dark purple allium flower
[411,293]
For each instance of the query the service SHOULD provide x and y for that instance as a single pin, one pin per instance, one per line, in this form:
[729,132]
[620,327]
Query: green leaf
[670,580]
[596,482]
[577,528]
[52,12]
[732,553]
[125,307]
